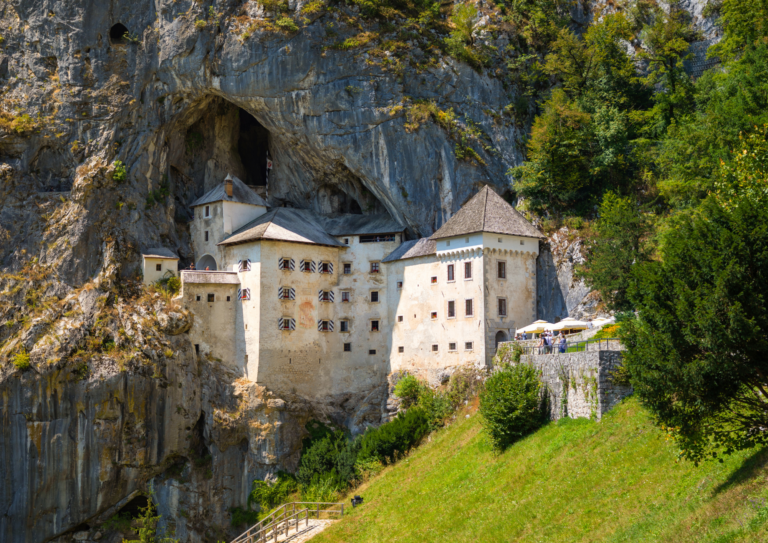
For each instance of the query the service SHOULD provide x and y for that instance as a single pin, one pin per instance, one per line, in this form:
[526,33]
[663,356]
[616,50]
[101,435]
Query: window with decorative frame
[244,265]
[286,324]
[469,309]
[324,326]
[307,266]
[244,294]
[286,264]
[325,296]
[326,267]
[286,293]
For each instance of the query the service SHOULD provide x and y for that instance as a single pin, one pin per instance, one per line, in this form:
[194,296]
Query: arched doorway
[207,261]
[500,337]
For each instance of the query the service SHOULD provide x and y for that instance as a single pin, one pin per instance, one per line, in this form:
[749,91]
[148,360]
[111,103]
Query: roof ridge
[485,207]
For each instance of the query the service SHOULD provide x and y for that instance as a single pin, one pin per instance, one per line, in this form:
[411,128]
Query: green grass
[575,480]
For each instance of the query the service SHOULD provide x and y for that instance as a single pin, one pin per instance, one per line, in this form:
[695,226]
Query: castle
[323,305]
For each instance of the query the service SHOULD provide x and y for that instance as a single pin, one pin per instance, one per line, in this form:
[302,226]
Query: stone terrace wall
[580,384]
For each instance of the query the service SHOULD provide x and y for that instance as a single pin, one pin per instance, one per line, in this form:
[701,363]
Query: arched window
[117,34]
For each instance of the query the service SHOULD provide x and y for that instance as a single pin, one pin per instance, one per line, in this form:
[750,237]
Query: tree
[148,521]
[698,351]
[745,23]
[464,20]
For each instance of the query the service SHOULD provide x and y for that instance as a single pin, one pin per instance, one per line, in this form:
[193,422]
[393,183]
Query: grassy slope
[575,480]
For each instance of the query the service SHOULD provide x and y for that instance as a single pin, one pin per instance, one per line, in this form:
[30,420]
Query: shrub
[395,438]
[408,389]
[243,517]
[511,404]
[322,489]
[120,173]
[269,495]
[287,24]
[21,360]
[331,456]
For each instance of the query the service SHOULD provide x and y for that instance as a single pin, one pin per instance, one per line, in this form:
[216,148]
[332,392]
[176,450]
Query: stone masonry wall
[580,384]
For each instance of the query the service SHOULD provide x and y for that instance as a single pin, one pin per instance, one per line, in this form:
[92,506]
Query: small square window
[451,309]
[374,296]
[433,280]
[211,298]
[197,298]
[399,284]
[345,296]
[371,351]
[347,268]
[346,241]
[467,270]
[434,348]
[401,349]
[499,240]
[158,267]
[325,326]
[448,243]
[305,266]
[374,326]
[227,298]
[206,235]
[468,346]
[451,272]
[326,267]
[399,318]
[285,264]
[347,347]
[469,310]
[375,267]
[207,211]
[451,346]
[343,326]
[522,242]
[433,315]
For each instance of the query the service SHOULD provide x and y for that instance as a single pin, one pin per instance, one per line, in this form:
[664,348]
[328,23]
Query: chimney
[228,187]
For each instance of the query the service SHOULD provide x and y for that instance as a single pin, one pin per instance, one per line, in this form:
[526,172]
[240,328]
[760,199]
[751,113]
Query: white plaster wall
[419,297]
[214,327]
[472,241]
[214,225]
[236,215]
[151,274]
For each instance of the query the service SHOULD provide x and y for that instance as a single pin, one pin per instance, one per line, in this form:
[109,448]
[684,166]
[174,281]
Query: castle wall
[151,273]
[214,225]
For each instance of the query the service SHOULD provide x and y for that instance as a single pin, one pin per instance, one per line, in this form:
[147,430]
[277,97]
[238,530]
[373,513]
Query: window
[451,309]
[307,266]
[501,269]
[375,267]
[347,268]
[399,284]
[197,348]
[158,267]
[211,298]
[244,294]
[343,326]
[326,267]
[371,351]
[377,239]
[399,318]
[347,347]
[374,296]
[197,298]
[467,270]
[325,296]
[245,265]
[374,326]
[346,241]
[434,348]
[451,346]
[522,242]
[325,326]
[228,298]
[502,307]
[468,309]
[206,235]
[284,263]
[468,346]
[286,293]
[401,349]
[499,240]
[451,272]
[207,211]
[286,324]
[433,280]
[345,296]
[448,243]
[433,315]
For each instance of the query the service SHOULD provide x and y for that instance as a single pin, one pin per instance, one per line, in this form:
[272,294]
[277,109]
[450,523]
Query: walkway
[305,532]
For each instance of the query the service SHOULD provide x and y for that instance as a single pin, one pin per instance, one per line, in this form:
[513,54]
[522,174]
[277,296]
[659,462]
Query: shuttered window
[244,265]
[326,267]
[325,296]
[286,293]
[244,293]
[286,324]
[307,266]
[285,264]
[325,326]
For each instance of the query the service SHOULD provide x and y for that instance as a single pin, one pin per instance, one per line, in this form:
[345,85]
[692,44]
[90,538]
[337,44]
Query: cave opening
[253,147]
[133,508]
[117,34]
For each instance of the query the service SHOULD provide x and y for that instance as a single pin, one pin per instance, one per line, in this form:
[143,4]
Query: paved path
[305,532]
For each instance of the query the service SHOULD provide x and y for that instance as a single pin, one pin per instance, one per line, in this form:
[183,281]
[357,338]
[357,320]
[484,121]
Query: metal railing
[284,518]
[605,344]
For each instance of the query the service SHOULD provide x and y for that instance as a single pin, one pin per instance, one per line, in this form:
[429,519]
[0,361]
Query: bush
[511,404]
[269,495]
[287,24]
[120,173]
[332,457]
[395,438]
[408,389]
[322,489]
[21,360]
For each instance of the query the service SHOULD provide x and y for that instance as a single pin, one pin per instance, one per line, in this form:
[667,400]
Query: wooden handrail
[281,519]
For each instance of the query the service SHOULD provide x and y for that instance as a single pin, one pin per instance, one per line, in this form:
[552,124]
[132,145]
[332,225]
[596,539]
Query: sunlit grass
[576,480]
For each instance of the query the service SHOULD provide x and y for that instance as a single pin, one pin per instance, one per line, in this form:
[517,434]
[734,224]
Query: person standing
[563,343]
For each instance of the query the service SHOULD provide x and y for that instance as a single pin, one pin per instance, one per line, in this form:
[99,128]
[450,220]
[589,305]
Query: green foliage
[240,517]
[395,438]
[464,20]
[511,404]
[148,520]
[287,24]
[21,360]
[619,245]
[120,522]
[321,489]
[267,496]
[158,195]
[698,352]
[745,23]
[330,457]
[120,173]
[746,176]
[169,283]
[408,389]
